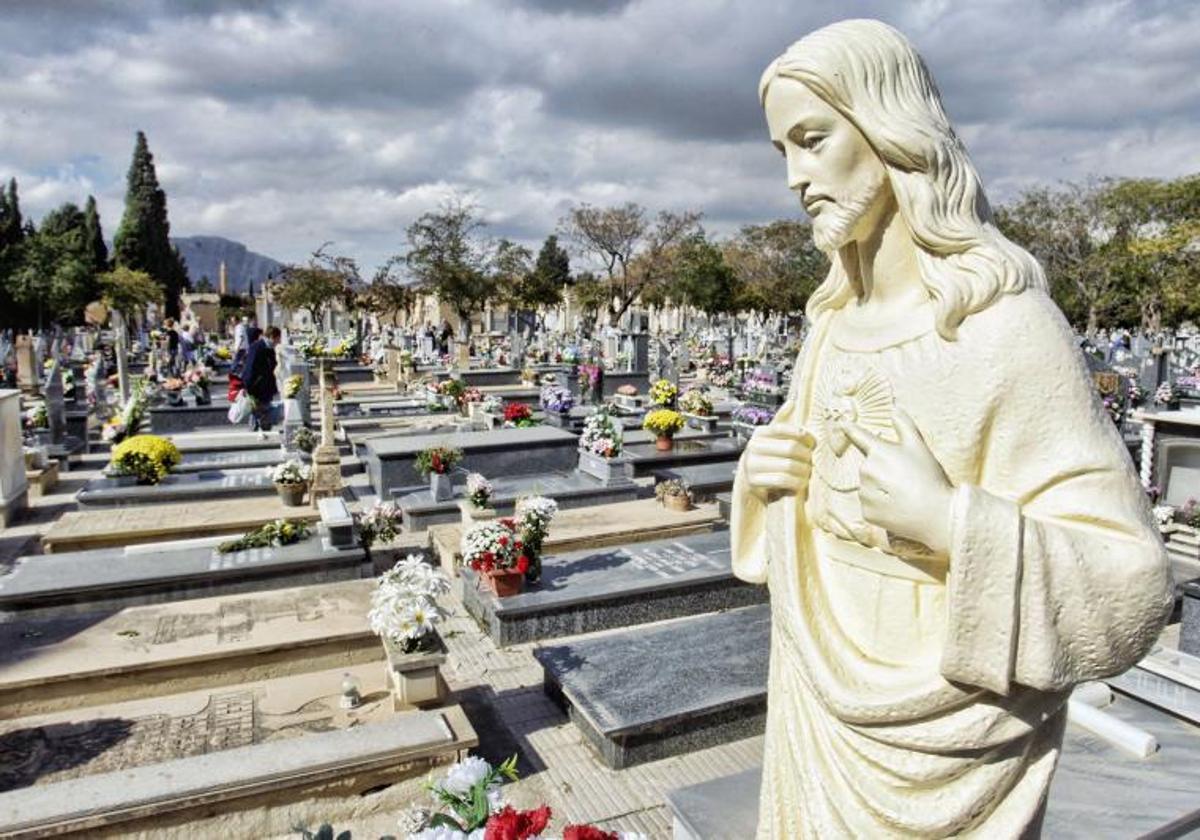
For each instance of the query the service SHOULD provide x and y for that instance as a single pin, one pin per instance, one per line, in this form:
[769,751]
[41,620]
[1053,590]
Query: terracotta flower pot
[505,583]
[677,503]
[291,495]
[664,443]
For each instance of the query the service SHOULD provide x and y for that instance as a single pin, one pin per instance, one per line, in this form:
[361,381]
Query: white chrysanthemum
[464,775]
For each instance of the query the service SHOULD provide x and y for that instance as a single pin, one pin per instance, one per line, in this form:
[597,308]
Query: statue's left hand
[902,487]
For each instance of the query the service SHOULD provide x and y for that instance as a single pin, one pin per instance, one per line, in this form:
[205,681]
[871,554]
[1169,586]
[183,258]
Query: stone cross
[327,461]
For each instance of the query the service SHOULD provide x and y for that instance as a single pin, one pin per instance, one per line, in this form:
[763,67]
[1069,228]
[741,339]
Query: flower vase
[679,504]
[505,583]
[415,676]
[292,495]
[664,443]
[441,487]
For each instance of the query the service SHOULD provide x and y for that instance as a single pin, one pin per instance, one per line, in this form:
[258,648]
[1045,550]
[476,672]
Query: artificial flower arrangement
[380,523]
[479,490]
[673,493]
[601,436]
[518,415]
[316,348]
[404,608]
[534,515]
[557,399]
[589,379]
[281,532]
[437,459]
[1136,395]
[129,421]
[495,548]
[663,422]
[753,415]
[761,382]
[695,401]
[197,377]
[492,405]
[453,388]
[292,386]
[37,418]
[663,392]
[469,805]
[290,472]
[627,390]
[304,439]
[148,457]
[1112,406]
[1166,394]
[470,395]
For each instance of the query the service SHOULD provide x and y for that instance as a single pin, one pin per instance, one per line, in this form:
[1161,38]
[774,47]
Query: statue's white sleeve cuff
[983,590]
[747,531]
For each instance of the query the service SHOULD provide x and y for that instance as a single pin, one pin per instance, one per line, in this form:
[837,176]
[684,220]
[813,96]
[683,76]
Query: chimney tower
[223,282]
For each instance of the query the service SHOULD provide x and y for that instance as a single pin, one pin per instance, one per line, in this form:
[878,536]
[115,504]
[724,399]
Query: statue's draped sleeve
[1057,572]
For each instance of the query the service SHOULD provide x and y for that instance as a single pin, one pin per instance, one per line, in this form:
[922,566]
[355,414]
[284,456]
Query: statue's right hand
[778,460]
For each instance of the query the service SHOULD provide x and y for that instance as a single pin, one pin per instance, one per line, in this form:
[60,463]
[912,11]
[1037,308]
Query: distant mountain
[204,255]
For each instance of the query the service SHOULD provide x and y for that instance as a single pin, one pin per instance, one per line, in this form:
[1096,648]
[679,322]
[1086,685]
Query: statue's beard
[833,227]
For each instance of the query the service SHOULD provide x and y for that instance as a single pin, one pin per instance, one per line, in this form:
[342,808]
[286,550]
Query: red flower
[510,824]
[503,541]
[522,564]
[588,832]
[436,463]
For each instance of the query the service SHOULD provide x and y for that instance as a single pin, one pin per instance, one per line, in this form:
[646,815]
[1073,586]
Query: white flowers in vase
[404,606]
[290,472]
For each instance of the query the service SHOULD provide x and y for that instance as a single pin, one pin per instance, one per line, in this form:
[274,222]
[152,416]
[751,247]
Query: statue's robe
[913,694]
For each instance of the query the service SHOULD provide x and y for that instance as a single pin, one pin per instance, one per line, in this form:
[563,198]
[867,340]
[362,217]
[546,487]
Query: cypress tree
[143,241]
[95,236]
[11,230]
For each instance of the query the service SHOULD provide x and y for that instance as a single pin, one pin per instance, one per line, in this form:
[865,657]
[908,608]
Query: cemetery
[880,523]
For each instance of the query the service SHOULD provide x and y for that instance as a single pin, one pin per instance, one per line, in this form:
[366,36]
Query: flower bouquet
[518,415]
[663,392]
[281,532]
[381,523]
[589,381]
[494,550]
[436,464]
[557,399]
[695,401]
[404,608]
[601,436]
[533,515]
[673,494]
[663,423]
[292,386]
[304,439]
[1167,395]
[479,490]
[291,480]
[148,457]
[198,380]
[36,418]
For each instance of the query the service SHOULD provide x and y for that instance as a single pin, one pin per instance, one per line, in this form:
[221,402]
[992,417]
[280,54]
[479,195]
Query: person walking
[258,378]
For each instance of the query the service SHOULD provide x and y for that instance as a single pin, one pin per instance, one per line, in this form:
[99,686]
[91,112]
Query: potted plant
[37,423]
[477,506]
[698,409]
[749,417]
[198,382]
[469,402]
[673,494]
[533,515]
[404,614]
[291,481]
[663,393]
[557,402]
[437,463]
[494,550]
[1167,396]
[600,446]
[380,523]
[663,423]
[148,458]
[451,391]
[304,439]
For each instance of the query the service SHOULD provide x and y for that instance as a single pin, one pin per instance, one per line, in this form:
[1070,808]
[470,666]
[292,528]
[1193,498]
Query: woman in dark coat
[258,376]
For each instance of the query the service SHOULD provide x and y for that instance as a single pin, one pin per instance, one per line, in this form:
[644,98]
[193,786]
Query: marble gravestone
[994,590]
[13,486]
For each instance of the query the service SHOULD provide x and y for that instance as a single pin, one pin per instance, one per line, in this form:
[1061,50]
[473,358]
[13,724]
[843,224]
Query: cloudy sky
[285,124]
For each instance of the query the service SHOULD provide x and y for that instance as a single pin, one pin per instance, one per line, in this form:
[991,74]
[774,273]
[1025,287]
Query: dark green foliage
[95,236]
[143,239]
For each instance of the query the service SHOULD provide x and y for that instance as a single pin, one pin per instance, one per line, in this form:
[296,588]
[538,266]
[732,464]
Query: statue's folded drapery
[915,695]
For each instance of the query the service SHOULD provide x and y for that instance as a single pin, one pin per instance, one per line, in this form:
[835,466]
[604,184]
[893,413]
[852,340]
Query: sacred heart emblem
[848,393]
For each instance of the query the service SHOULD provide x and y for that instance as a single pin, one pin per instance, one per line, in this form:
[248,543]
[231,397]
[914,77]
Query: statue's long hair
[871,74]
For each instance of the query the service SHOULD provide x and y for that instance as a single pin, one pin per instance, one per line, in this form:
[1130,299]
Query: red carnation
[522,564]
[503,541]
[588,832]
[510,824]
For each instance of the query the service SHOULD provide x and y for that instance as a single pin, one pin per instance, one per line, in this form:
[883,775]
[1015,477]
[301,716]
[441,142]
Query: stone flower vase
[505,583]
[415,677]
[291,495]
[664,443]
[441,487]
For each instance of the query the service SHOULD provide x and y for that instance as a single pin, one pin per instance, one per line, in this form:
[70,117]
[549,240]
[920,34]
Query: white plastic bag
[240,409]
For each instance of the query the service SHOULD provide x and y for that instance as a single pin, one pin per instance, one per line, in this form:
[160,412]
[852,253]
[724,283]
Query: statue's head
[860,121]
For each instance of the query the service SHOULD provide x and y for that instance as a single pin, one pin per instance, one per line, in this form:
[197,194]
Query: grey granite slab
[645,458]
[570,490]
[224,440]
[228,460]
[484,377]
[109,578]
[176,487]
[702,479]
[165,419]
[1097,791]
[651,692]
[346,372]
[541,449]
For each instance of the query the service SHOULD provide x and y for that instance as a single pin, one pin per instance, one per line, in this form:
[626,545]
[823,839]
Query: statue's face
[831,167]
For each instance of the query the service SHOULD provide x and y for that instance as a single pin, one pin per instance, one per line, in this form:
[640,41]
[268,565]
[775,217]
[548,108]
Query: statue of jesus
[951,530]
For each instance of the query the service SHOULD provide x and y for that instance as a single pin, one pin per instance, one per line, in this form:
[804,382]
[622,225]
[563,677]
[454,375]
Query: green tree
[313,287]
[143,240]
[589,297]
[95,236]
[55,276]
[544,285]
[129,292]
[777,265]
[702,279]
[389,293]
[448,257]
[12,233]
